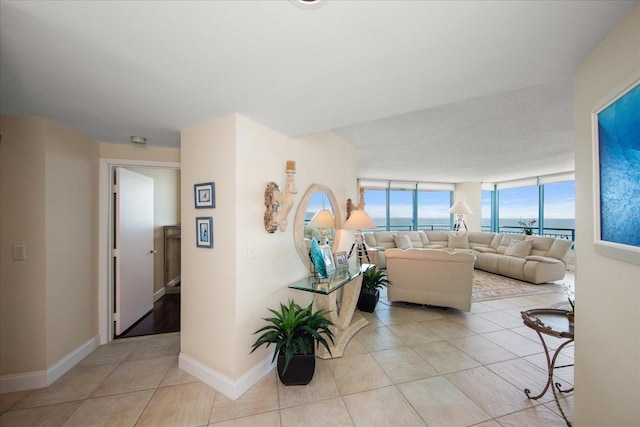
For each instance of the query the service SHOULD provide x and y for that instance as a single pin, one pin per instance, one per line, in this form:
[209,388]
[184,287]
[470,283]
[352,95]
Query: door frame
[106,222]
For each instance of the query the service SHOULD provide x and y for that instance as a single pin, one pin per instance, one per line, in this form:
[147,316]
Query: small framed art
[204,195]
[328,259]
[204,232]
[341,259]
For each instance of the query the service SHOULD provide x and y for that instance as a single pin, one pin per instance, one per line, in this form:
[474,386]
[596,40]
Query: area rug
[488,286]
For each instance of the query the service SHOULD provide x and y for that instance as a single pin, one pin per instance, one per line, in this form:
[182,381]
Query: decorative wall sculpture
[279,203]
[351,207]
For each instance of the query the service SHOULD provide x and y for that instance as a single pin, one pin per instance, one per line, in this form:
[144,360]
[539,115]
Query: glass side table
[555,323]
[337,294]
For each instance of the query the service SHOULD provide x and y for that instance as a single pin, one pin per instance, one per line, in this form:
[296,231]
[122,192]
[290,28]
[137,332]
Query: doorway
[168,308]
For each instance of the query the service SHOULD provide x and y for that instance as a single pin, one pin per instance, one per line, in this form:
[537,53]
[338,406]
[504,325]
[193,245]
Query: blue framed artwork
[204,195]
[616,132]
[204,232]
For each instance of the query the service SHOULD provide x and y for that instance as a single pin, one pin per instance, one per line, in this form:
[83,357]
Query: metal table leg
[551,365]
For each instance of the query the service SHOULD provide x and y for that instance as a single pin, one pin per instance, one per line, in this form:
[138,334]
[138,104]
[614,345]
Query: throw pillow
[459,241]
[519,248]
[402,242]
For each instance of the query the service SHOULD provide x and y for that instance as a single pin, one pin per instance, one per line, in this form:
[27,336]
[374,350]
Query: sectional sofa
[534,259]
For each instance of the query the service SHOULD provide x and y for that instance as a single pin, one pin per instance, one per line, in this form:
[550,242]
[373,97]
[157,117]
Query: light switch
[251,252]
[19,253]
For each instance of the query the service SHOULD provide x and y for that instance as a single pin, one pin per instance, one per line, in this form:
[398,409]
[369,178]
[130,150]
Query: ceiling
[442,91]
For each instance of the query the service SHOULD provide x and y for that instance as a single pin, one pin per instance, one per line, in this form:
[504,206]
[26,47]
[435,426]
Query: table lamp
[323,219]
[359,220]
[460,209]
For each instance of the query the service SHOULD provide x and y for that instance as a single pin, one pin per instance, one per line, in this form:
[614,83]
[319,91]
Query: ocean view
[426,223]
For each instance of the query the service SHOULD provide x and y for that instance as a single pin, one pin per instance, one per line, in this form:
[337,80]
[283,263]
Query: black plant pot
[367,302]
[300,370]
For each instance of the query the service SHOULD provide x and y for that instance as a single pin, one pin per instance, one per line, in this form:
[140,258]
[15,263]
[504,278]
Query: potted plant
[295,331]
[373,279]
[527,226]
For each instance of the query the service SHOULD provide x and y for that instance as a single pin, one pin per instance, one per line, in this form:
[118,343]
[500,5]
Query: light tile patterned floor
[412,366]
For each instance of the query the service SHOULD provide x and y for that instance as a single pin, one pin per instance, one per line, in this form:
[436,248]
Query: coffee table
[555,323]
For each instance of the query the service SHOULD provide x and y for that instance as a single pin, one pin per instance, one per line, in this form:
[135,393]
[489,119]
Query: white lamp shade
[359,220]
[459,208]
[322,219]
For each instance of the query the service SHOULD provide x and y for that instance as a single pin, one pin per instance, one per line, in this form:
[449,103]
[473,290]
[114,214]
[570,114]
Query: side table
[552,322]
[337,294]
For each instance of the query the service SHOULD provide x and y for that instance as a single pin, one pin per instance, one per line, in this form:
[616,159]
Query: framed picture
[205,195]
[204,232]
[616,134]
[341,259]
[328,259]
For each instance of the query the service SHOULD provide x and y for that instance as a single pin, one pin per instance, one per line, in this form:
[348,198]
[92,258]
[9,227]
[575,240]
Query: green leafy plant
[527,226]
[295,330]
[373,279]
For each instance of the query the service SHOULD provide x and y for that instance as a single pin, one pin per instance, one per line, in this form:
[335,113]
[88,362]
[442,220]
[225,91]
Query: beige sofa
[431,277]
[539,259]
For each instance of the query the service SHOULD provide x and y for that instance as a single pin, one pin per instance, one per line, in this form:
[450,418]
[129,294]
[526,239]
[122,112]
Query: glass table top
[335,281]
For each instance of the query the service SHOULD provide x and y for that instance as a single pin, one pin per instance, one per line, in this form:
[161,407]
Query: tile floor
[412,366]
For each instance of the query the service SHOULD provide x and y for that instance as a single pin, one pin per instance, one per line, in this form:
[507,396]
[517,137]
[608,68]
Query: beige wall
[48,203]
[22,221]
[607,371]
[71,180]
[136,152]
[166,211]
[224,293]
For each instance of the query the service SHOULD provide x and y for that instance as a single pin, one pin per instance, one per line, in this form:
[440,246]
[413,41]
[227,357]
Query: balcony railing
[558,233]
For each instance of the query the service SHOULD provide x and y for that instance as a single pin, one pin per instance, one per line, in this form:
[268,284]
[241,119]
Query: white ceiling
[445,91]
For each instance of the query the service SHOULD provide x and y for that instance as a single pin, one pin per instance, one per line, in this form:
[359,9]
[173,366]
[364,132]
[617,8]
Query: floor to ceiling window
[559,209]
[398,206]
[433,209]
[549,201]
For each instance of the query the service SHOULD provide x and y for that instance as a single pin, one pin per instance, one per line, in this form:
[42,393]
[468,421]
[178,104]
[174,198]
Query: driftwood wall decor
[279,203]
[351,207]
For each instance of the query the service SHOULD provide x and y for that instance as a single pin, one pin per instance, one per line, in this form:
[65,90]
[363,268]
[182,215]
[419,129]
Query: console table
[552,322]
[337,294]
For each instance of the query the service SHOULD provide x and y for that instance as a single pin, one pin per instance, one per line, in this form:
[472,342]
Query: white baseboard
[159,294]
[39,379]
[225,385]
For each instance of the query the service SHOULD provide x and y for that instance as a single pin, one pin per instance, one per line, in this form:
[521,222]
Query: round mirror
[317,198]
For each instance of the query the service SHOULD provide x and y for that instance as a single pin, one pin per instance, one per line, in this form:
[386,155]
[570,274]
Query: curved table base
[551,365]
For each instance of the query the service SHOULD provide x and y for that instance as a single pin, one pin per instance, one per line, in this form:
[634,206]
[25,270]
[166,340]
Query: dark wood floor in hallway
[164,318]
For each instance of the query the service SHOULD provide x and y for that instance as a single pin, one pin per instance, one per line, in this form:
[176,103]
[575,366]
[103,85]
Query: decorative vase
[300,370]
[367,302]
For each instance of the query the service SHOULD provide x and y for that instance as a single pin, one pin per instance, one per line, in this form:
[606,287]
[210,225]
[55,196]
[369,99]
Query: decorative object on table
[323,219]
[359,221]
[341,259]
[204,232]
[527,226]
[317,259]
[295,332]
[373,279]
[204,195]
[616,134]
[327,256]
[279,203]
[460,209]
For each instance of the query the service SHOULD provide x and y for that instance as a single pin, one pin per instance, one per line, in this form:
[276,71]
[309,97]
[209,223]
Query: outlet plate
[19,253]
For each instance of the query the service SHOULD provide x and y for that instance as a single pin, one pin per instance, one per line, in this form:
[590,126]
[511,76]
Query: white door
[134,248]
